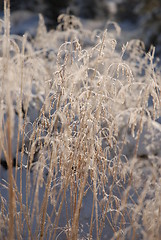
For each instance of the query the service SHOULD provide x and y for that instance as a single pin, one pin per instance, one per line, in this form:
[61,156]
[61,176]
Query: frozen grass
[74,108]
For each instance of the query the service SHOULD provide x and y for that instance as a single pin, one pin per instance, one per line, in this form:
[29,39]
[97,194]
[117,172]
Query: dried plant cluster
[77,120]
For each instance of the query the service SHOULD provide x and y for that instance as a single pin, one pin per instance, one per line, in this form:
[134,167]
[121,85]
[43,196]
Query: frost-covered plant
[91,109]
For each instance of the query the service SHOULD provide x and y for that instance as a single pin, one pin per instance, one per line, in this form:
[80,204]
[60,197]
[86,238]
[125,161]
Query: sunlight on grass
[77,123]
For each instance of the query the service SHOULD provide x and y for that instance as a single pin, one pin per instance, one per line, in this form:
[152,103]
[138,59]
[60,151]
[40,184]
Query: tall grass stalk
[9,118]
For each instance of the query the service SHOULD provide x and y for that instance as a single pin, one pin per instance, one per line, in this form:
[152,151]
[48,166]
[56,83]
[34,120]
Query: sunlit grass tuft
[75,117]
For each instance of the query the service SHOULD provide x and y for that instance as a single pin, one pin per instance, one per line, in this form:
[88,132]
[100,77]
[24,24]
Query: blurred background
[137,18]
